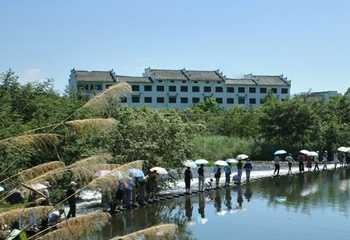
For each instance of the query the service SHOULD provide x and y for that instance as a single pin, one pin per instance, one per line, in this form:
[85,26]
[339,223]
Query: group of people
[227,170]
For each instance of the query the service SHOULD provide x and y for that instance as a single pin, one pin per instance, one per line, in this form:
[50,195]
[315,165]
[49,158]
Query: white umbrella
[159,170]
[306,152]
[2,189]
[201,161]
[38,186]
[190,164]
[221,163]
[231,160]
[342,149]
[348,150]
[242,157]
[280,152]
[313,154]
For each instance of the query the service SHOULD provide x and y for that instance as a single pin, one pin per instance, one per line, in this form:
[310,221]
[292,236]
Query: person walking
[290,160]
[217,177]
[309,163]
[72,201]
[201,178]
[227,170]
[188,179]
[301,159]
[336,160]
[239,171]
[341,157]
[324,160]
[248,166]
[277,165]
[316,168]
[347,159]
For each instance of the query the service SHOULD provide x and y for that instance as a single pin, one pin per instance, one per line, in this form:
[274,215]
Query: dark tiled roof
[164,74]
[130,79]
[267,80]
[92,76]
[240,81]
[196,75]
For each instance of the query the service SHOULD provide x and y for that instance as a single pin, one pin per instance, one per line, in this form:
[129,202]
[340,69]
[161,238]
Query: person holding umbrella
[277,165]
[301,159]
[290,160]
[188,179]
[217,176]
[248,166]
[324,160]
[240,166]
[227,170]
[200,171]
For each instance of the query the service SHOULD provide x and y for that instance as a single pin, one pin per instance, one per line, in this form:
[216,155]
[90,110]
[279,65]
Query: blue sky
[306,40]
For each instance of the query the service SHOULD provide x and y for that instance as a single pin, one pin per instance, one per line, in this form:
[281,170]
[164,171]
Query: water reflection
[301,193]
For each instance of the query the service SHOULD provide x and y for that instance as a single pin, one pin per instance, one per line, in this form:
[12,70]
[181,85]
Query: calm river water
[309,206]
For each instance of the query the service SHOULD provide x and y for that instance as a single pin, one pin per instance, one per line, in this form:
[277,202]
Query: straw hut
[160,232]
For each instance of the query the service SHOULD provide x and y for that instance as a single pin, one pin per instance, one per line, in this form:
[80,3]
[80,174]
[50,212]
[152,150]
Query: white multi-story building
[162,88]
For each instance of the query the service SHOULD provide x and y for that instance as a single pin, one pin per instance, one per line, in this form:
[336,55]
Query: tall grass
[220,147]
[159,232]
[94,124]
[38,170]
[24,214]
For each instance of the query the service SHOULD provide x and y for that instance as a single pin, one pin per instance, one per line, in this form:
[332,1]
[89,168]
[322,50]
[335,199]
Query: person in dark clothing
[188,208]
[239,171]
[201,205]
[301,159]
[72,201]
[227,170]
[277,165]
[152,185]
[188,178]
[201,178]
[248,166]
[217,177]
[347,159]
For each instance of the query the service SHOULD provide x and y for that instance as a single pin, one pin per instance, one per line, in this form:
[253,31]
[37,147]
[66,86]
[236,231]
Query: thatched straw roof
[76,228]
[38,170]
[110,182]
[101,102]
[78,174]
[40,140]
[94,124]
[160,232]
[93,160]
[11,216]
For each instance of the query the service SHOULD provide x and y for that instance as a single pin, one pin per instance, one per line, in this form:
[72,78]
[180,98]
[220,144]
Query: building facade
[162,88]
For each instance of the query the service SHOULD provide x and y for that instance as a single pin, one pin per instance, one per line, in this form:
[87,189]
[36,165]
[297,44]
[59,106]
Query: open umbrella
[280,152]
[221,163]
[159,170]
[312,154]
[231,160]
[348,150]
[242,157]
[306,152]
[2,189]
[201,162]
[38,186]
[136,173]
[190,164]
[342,149]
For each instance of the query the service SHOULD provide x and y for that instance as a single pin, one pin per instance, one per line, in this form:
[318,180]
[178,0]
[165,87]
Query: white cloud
[31,75]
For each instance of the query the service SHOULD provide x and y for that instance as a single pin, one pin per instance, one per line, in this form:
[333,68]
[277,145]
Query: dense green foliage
[167,137]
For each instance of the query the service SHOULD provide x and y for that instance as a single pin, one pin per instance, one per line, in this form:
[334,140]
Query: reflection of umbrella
[342,149]
[231,160]
[306,152]
[190,164]
[102,173]
[312,154]
[136,173]
[242,157]
[201,161]
[280,152]
[159,170]
[203,220]
[221,163]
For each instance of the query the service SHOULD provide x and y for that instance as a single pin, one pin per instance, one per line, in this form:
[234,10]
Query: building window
[98,87]
[207,89]
[218,100]
[108,86]
[160,88]
[184,100]
[123,99]
[241,100]
[160,100]
[274,90]
[86,87]
[230,101]
[218,89]
[195,100]
[207,82]
[135,99]
[230,89]
[262,100]
[284,90]
[195,89]
[252,90]
[241,89]
[252,101]
[183,81]
[195,81]
[160,80]
[219,82]
[148,99]
[91,87]
[172,99]
[172,88]
[263,90]
[147,88]
[172,81]
[135,88]
[184,89]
